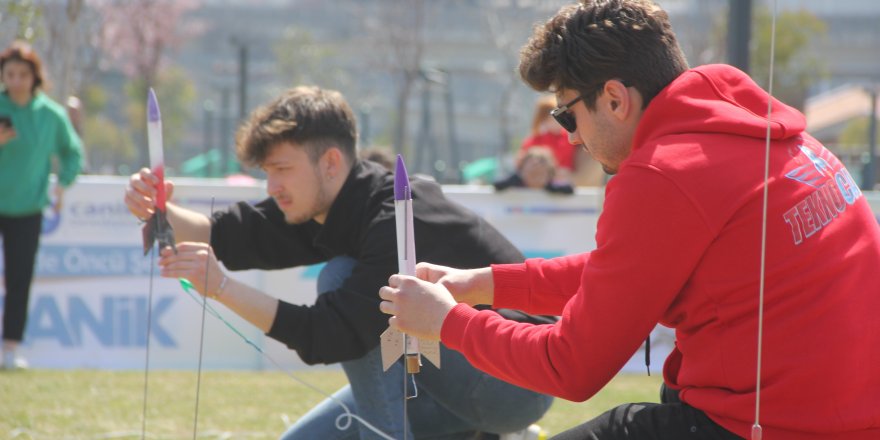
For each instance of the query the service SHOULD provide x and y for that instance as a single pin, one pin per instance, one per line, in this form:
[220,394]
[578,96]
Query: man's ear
[618,98]
[333,163]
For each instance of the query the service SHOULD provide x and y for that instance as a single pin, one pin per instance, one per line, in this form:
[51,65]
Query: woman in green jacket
[33,129]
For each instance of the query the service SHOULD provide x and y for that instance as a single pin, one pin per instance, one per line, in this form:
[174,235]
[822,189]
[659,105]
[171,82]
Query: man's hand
[191,262]
[59,198]
[470,286]
[419,307]
[140,194]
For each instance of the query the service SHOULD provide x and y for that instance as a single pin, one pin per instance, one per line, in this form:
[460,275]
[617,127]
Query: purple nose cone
[401,181]
[153,114]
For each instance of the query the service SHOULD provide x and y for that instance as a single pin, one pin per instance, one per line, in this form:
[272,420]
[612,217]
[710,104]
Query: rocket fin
[391,345]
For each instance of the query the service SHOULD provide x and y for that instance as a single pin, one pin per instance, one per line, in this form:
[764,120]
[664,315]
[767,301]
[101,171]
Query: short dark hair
[586,44]
[311,117]
[23,52]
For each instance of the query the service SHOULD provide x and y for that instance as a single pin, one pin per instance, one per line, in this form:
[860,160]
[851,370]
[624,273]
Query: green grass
[90,404]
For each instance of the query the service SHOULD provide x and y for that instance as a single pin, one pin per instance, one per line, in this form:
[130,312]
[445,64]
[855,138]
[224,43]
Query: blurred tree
[177,95]
[109,145]
[397,36]
[795,67]
[300,60]
[854,143]
[112,145]
[63,43]
[71,41]
[509,24]
[854,136]
[25,15]
[140,31]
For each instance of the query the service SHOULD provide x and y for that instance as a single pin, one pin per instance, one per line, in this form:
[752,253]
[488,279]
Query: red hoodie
[679,243]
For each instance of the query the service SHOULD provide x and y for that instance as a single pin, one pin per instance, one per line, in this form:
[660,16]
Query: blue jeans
[453,403]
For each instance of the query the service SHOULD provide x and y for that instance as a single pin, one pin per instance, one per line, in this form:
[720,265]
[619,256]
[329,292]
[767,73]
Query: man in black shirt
[325,204]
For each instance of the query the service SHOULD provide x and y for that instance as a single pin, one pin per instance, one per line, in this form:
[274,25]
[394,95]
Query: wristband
[219,292]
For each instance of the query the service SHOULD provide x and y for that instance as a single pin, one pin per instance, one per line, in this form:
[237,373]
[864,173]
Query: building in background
[445,69]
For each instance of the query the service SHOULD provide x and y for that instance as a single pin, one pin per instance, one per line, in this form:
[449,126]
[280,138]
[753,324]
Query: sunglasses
[564,117]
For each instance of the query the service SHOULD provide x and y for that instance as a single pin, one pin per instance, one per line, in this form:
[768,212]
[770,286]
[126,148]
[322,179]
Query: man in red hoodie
[680,243]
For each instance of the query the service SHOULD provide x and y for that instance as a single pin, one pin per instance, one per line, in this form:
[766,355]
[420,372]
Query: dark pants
[21,238]
[669,420]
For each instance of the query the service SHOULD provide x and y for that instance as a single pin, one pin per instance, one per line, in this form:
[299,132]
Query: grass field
[89,404]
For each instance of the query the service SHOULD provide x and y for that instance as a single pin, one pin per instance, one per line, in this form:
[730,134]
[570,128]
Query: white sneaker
[13,362]
[533,432]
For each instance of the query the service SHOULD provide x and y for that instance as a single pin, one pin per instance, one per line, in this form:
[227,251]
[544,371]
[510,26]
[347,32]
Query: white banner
[90,296]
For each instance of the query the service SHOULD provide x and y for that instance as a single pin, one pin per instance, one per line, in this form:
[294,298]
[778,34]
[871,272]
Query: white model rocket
[393,342]
[157,227]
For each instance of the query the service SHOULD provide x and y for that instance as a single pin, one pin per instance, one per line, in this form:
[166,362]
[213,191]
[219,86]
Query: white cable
[757,432]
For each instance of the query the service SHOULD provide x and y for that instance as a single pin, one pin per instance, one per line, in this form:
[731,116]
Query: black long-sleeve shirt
[345,324]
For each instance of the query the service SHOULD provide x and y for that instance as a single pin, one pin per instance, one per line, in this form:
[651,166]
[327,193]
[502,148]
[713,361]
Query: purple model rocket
[394,343]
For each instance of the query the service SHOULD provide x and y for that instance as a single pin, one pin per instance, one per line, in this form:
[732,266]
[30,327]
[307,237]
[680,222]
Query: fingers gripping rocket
[393,342]
[157,227]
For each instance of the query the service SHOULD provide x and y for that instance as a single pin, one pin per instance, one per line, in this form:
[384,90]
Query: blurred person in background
[547,133]
[537,170]
[574,165]
[33,130]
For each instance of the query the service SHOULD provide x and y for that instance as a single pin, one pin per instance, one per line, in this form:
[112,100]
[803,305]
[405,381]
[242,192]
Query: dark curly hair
[586,44]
